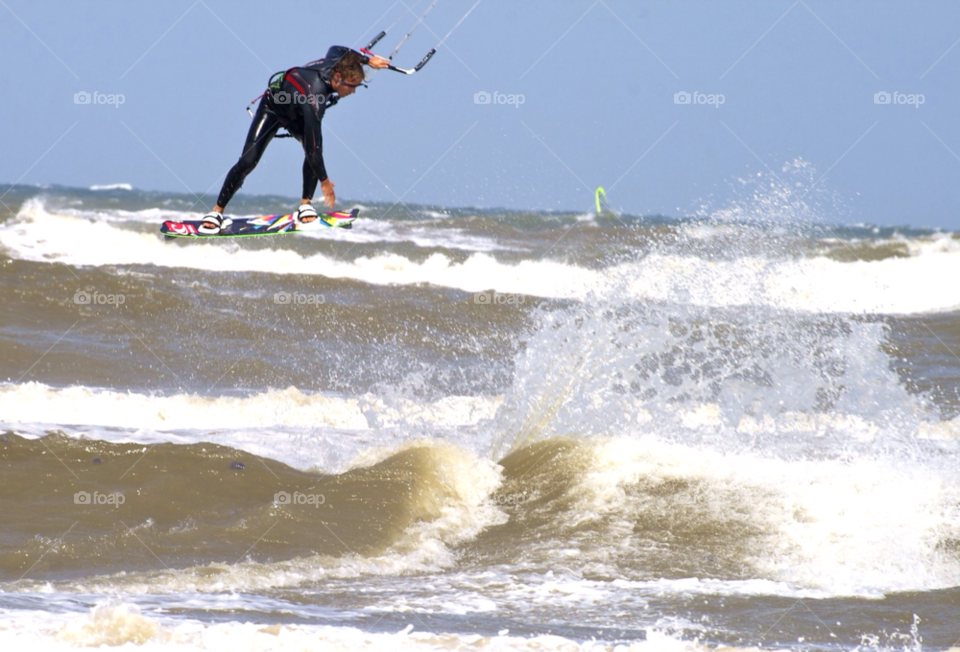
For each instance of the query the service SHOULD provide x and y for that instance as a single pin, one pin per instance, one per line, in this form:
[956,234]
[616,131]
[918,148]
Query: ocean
[477,429]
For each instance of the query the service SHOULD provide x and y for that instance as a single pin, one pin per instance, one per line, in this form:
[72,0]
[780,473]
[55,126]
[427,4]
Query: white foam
[303,430]
[113,186]
[892,286]
[44,237]
[942,430]
[120,624]
[936,243]
[851,425]
[856,527]
[423,235]
[119,215]
[78,405]
[447,411]
[912,246]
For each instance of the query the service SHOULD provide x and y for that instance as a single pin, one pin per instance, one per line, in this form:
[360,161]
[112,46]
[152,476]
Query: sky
[591,92]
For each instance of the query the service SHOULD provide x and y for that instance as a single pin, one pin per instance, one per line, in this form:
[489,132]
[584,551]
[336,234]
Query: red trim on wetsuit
[293,81]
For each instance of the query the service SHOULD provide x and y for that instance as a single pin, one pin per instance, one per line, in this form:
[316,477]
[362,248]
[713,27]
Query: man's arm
[313,137]
[336,52]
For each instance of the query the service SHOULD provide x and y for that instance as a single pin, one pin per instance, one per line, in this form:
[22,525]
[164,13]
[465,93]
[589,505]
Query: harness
[275,83]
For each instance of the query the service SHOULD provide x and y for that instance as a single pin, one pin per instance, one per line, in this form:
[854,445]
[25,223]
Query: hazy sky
[598,79]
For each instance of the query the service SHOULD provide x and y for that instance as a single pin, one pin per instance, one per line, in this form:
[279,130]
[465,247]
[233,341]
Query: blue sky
[598,80]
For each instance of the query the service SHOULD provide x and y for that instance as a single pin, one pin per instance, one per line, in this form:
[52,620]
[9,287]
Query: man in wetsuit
[296,100]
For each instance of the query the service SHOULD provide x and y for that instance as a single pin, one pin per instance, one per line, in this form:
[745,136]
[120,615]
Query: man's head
[347,74]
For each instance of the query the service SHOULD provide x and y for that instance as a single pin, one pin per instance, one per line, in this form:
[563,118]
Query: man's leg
[313,168]
[264,127]
[309,187]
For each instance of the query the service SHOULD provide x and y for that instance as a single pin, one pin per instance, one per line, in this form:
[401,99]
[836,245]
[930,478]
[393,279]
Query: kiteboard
[266,225]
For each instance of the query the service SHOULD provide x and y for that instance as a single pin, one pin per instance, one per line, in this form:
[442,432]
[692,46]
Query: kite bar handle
[425,59]
[429,55]
[376,39]
[405,71]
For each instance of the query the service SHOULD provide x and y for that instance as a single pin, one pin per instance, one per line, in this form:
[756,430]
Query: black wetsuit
[297,105]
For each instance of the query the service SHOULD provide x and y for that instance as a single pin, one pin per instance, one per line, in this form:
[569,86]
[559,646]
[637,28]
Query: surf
[813,284]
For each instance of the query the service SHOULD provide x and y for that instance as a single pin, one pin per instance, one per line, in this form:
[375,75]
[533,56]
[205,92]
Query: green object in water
[597,195]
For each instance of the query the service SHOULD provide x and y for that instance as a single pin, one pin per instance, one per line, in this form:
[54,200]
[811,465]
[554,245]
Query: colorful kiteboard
[266,225]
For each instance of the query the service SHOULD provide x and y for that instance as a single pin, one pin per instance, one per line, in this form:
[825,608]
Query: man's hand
[378,62]
[329,198]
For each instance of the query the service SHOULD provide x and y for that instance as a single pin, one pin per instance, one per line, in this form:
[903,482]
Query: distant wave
[113,186]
